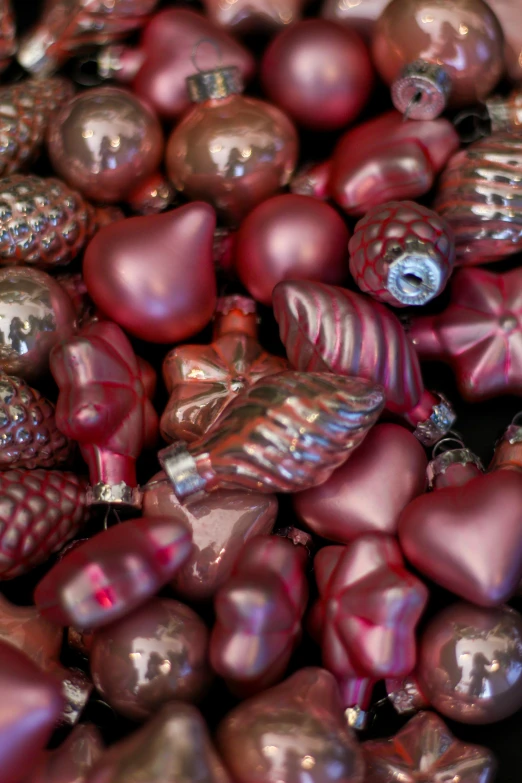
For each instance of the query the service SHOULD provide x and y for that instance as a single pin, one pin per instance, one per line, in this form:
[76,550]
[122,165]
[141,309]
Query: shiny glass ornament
[508,14]
[230,150]
[368,492]
[244,16]
[287,432]
[332,329]
[104,405]
[402,253]
[479,195]
[435,53]
[203,380]
[112,573]
[359,15]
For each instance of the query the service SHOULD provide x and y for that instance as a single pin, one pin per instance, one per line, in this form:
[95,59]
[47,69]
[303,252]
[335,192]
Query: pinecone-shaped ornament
[29,437]
[42,222]
[25,111]
[7,33]
[402,253]
[39,511]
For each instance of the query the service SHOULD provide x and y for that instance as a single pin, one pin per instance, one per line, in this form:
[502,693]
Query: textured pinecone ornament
[39,511]
[29,437]
[25,111]
[402,253]
[42,222]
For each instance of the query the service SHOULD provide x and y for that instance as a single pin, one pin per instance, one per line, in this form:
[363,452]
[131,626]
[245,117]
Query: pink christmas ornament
[39,511]
[72,760]
[221,524]
[508,449]
[244,16]
[302,721]
[360,15]
[258,614]
[386,158]
[331,329]
[230,150]
[426,749]
[158,68]
[312,180]
[8,43]
[479,334]
[68,25]
[290,237]
[402,253]
[103,404]
[31,705]
[203,380]
[508,14]
[367,494]
[367,610]
[136,272]
[435,54]
[319,73]
[112,573]
[479,195]
[156,654]
[288,431]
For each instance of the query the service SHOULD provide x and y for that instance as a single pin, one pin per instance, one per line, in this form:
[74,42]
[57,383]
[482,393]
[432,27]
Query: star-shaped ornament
[250,15]
[425,751]
[479,334]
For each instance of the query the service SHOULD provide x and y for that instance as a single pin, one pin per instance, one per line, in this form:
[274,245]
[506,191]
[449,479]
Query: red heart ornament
[469,538]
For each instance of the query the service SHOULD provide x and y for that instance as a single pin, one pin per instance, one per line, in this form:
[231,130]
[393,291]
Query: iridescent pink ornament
[288,431]
[112,573]
[103,404]
[158,68]
[479,334]
[368,492]
[331,329]
[258,614]
[402,253]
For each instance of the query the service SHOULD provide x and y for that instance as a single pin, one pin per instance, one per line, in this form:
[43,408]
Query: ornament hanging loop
[452,440]
[196,49]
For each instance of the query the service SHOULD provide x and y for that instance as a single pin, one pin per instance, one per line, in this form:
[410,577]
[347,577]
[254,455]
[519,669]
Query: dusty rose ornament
[287,432]
[479,334]
[425,748]
[203,380]
[259,612]
[402,253]
[104,405]
[68,25]
[72,760]
[326,328]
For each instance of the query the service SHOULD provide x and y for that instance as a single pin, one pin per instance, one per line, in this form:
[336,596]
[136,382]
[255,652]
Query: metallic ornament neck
[422,90]
[216,84]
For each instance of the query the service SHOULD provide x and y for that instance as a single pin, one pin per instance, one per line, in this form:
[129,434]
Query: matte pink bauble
[319,73]
[290,237]
[154,275]
[105,142]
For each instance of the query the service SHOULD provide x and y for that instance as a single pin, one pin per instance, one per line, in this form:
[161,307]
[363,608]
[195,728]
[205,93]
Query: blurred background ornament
[39,512]
[308,734]
[136,272]
[66,26]
[402,253]
[287,432]
[290,237]
[319,73]
[203,379]
[8,44]
[72,760]
[154,655]
[425,748]
[230,150]
[113,573]
[368,492]
[508,14]
[104,405]
[250,16]
[387,158]
[158,68]
[479,194]
[29,437]
[221,524]
[259,611]
[329,329]
[312,180]
[479,334]
[359,15]
[435,54]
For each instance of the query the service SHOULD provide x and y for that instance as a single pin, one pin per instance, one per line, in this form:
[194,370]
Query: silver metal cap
[114,494]
[214,85]
[439,423]
[181,469]
[414,275]
[422,90]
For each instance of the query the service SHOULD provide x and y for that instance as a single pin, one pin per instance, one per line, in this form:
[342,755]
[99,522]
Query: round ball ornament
[230,150]
[319,73]
[105,142]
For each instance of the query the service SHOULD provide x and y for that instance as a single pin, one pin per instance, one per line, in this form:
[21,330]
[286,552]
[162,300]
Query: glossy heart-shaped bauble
[367,493]
[154,275]
[469,538]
